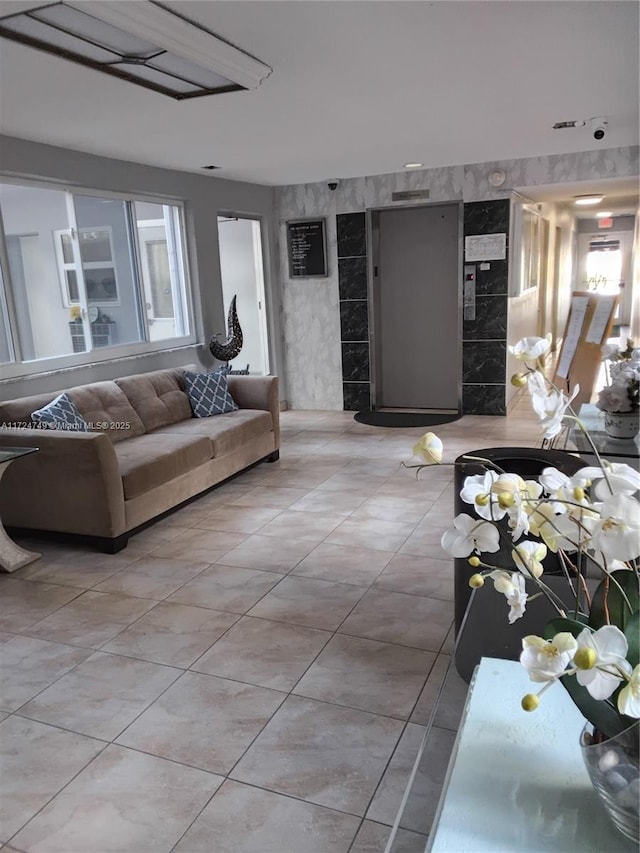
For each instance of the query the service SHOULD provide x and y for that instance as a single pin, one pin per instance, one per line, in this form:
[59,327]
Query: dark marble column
[484,339]
[354,310]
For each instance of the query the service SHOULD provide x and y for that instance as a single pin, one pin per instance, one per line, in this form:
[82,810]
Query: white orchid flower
[606,651]
[629,696]
[558,532]
[531,348]
[468,534]
[619,479]
[563,490]
[517,599]
[512,586]
[554,408]
[429,448]
[546,660]
[477,491]
[617,533]
[528,557]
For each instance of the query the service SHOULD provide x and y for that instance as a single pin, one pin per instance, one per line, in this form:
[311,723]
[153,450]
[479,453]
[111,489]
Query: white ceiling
[358,88]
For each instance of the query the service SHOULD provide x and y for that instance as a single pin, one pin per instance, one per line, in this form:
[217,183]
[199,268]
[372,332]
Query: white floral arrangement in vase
[592,645]
[620,398]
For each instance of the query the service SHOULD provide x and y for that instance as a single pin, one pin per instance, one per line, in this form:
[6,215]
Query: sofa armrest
[72,485]
[258,392]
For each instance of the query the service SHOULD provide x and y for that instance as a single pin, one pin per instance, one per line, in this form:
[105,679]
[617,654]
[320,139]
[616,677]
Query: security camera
[333,184]
[599,127]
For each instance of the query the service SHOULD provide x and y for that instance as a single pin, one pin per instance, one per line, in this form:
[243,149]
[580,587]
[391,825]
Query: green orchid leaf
[560,625]
[609,607]
[600,713]
[632,633]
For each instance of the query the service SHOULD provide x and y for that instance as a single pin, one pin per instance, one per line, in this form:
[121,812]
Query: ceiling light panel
[586,200]
[139,42]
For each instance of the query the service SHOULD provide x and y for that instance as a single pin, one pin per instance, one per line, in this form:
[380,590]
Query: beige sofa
[145,454]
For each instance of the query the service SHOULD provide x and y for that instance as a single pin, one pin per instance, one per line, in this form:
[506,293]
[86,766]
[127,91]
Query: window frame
[19,368]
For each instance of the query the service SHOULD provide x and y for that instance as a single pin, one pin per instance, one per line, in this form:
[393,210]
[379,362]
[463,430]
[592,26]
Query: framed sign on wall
[307,248]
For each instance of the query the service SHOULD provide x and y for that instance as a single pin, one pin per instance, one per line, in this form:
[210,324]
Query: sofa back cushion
[17,413]
[158,397]
[105,408]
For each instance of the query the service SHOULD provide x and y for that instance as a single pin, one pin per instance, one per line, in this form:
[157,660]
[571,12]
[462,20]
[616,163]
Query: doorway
[242,271]
[416,299]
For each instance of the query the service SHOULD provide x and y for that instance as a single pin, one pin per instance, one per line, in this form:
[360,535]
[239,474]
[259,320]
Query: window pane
[33,218]
[109,270]
[161,270]
[67,248]
[6,350]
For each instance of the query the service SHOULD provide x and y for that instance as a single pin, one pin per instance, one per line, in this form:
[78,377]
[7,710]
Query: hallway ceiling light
[140,42]
[587,199]
[604,214]
[413,165]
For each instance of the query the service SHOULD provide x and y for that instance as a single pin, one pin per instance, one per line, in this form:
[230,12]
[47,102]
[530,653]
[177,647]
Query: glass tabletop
[7,454]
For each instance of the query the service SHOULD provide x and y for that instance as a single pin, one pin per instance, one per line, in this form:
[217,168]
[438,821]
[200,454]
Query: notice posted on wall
[600,319]
[485,247]
[579,306]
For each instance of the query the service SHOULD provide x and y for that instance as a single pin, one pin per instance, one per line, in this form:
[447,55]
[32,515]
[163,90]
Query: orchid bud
[585,658]
[518,380]
[530,702]
[474,561]
[578,493]
[476,581]
[505,500]
[482,500]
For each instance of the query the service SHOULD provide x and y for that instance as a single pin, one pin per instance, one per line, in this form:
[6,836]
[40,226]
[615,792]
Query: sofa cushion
[148,461]
[60,413]
[225,432]
[158,397]
[208,393]
[105,408]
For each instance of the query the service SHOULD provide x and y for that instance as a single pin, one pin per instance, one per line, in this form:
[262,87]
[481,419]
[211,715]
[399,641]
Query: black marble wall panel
[484,362]
[484,340]
[354,321]
[352,235]
[484,399]
[356,396]
[355,362]
[354,309]
[494,280]
[352,277]
[490,321]
[487,217]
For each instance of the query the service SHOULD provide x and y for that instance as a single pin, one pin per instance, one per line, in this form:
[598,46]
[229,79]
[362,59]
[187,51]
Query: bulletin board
[588,326]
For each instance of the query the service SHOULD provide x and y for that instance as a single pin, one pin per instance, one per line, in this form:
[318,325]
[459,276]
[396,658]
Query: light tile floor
[253,673]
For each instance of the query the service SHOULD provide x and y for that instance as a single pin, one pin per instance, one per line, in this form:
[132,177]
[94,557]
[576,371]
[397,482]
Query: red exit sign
[605,223]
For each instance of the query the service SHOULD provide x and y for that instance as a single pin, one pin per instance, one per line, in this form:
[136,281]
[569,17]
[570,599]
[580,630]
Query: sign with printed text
[485,247]
[306,247]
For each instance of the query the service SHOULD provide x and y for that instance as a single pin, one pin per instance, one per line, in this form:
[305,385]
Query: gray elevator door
[416,298]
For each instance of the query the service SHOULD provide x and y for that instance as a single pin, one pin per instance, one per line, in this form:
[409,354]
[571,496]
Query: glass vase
[614,771]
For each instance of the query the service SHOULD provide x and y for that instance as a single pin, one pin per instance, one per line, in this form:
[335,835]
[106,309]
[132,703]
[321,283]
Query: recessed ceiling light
[587,199]
[413,165]
[603,214]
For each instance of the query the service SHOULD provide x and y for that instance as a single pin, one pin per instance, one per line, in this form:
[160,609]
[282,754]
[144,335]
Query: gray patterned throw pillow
[208,393]
[60,413]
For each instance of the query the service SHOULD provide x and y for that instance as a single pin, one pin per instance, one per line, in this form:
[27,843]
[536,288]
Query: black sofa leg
[111,546]
[272,457]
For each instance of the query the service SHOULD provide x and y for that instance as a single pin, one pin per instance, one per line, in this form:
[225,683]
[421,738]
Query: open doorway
[242,271]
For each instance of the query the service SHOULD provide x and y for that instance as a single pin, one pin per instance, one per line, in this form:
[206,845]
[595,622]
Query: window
[90,272]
